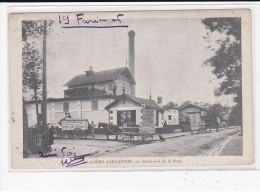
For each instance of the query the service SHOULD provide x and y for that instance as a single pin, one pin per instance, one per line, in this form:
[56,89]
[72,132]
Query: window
[203,113]
[94,104]
[110,86]
[111,112]
[111,118]
[66,107]
[169,117]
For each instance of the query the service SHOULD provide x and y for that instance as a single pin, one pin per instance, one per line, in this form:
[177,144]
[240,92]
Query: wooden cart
[142,134]
[73,128]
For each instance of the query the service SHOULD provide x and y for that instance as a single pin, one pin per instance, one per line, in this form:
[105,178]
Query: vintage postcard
[130,89]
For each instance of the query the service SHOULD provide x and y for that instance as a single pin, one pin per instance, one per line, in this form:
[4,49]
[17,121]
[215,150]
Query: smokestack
[131,57]
[159,100]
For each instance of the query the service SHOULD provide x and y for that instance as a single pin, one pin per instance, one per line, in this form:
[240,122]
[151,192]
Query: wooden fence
[35,140]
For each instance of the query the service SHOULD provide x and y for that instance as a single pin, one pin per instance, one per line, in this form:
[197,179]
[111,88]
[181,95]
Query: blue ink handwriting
[42,155]
[70,159]
[82,22]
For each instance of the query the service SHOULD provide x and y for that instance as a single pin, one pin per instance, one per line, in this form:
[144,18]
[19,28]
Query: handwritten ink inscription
[81,21]
[51,155]
[70,159]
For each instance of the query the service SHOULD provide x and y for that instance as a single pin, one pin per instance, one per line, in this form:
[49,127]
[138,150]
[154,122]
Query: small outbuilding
[132,111]
[193,115]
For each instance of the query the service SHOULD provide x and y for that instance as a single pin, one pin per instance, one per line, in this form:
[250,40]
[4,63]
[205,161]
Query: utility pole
[44,87]
[45,133]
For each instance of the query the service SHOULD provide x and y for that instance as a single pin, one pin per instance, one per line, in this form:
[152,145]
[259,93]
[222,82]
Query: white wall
[128,105]
[174,113]
[96,116]
[77,109]
[161,120]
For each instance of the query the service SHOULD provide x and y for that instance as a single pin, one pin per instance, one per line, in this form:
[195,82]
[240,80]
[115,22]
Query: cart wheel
[76,136]
[77,133]
[143,138]
[70,135]
[61,135]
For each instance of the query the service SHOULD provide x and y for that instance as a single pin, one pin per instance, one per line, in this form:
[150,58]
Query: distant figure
[92,127]
[164,124]
[67,115]
[129,122]
[161,138]
[217,127]
[51,136]
[217,124]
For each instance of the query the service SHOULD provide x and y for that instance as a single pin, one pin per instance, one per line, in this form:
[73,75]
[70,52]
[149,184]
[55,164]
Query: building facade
[171,116]
[193,115]
[105,96]
[133,111]
[92,109]
[104,82]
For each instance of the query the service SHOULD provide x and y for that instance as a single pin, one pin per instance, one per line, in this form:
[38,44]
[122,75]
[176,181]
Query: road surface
[225,142]
[189,145]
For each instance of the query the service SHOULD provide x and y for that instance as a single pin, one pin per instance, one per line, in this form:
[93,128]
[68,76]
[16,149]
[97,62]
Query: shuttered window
[66,107]
[94,104]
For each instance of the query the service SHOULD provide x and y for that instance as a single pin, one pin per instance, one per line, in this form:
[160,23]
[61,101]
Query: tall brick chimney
[131,57]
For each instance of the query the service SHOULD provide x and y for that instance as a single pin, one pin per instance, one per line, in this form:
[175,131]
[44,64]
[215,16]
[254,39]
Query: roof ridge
[110,70]
[102,71]
[95,75]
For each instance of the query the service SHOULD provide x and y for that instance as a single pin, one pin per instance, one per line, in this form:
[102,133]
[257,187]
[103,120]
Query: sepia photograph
[100,89]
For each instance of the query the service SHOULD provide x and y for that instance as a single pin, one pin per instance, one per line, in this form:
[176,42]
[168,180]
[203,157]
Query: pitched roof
[170,107]
[147,102]
[76,98]
[190,104]
[97,77]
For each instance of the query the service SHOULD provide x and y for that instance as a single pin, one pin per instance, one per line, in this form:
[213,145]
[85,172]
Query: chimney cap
[131,33]
[90,71]
[159,100]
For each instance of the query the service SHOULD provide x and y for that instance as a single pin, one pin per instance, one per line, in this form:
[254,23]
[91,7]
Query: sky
[169,58]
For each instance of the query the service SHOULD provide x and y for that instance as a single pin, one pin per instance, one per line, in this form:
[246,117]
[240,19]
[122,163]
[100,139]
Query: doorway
[126,118]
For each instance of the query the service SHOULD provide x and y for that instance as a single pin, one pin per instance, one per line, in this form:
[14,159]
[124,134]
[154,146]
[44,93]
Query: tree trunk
[36,100]
[44,79]
[25,116]
[37,108]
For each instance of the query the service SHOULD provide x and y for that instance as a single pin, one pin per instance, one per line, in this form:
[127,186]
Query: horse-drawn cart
[73,128]
[143,134]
